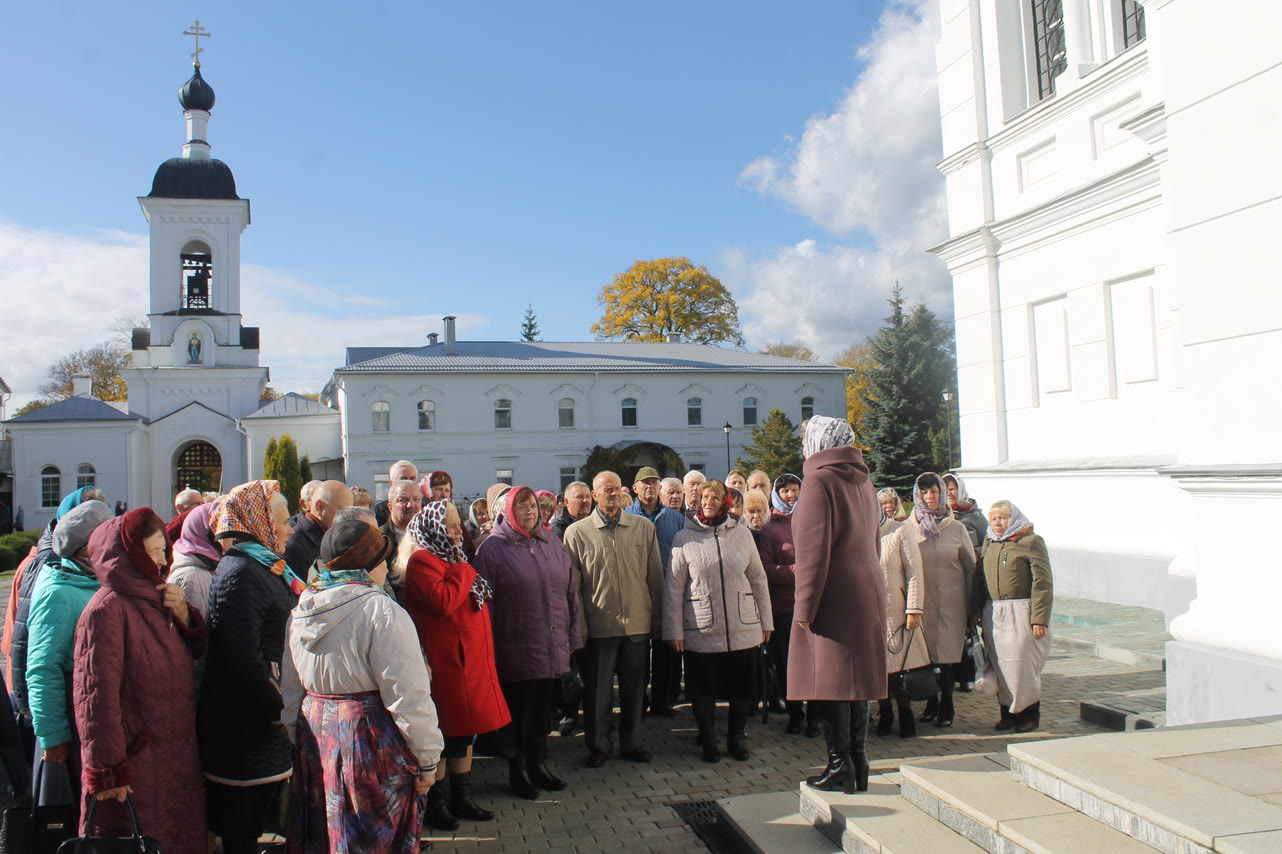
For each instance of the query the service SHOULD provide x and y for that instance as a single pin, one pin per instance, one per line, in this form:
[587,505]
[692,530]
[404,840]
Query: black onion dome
[196,94]
[182,178]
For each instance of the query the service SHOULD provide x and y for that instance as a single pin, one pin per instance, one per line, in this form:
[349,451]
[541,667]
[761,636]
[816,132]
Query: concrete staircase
[1184,790]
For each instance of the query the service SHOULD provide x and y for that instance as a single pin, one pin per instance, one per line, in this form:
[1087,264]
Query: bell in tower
[197,271]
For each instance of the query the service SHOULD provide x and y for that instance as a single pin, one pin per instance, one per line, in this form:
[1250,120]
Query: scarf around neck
[274,563]
[928,520]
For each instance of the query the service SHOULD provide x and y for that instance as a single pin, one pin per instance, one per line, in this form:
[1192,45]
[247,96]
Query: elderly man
[304,544]
[404,500]
[184,502]
[759,480]
[671,493]
[400,470]
[665,662]
[616,558]
[578,504]
[304,501]
[691,484]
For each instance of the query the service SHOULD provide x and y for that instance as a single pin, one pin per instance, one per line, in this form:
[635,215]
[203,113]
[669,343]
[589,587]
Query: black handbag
[570,688]
[135,844]
[31,829]
[920,683]
[767,681]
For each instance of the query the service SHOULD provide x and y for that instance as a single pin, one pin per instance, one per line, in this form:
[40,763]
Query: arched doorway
[199,467]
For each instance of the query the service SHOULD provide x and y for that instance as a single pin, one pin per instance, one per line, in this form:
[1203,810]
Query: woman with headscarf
[196,556]
[135,690]
[244,748]
[716,612]
[547,506]
[965,510]
[837,656]
[935,548]
[358,706]
[536,627]
[449,604]
[905,648]
[478,521]
[778,554]
[1017,614]
[893,514]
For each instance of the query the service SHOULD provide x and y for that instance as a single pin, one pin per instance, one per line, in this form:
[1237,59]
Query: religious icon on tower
[193,349]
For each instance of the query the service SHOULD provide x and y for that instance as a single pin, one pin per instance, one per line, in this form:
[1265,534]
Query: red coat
[458,643]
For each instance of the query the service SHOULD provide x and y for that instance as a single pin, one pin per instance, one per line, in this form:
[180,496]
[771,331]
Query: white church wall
[317,437]
[67,446]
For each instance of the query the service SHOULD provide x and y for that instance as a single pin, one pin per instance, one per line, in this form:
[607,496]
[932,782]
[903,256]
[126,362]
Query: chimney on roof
[432,338]
[81,385]
[674,337]
[451,344]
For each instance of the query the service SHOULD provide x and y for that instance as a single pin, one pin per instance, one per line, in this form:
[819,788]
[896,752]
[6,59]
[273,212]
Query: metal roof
[76,409]
[557,357]
[292,404]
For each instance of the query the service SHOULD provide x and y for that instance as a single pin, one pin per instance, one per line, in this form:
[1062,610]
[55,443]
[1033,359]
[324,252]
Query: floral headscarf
[494,500]
[247,509]
[928,520]
[428,530]
[776,500]
[1019,525]
[722,512]
[194,539]
[899,514]
[823,432]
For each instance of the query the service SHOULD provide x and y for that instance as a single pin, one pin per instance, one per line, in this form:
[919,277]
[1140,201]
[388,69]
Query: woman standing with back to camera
[837,656]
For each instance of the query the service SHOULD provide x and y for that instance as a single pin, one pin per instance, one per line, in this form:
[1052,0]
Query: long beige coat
[946,572]
[904,651]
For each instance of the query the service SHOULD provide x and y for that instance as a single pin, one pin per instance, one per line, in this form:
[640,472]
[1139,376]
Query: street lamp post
[727,430]
[948,425]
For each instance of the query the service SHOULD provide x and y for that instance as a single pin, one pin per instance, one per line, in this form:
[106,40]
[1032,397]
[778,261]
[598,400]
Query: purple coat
[777,558]
[535,609]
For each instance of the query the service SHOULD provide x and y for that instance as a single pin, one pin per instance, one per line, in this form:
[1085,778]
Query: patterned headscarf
[194,539]
[823,432]
[428,530]
[247,509]
[928,520]
[1019,524]
[722,512]
[776,500]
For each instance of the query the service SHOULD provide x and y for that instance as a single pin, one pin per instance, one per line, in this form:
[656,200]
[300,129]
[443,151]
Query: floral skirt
[353,785]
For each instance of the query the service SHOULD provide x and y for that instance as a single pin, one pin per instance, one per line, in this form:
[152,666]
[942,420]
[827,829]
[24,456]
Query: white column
[1079,44]
[196,147]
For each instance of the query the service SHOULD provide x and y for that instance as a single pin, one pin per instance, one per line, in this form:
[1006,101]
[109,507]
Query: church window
[807,408]
[503,476]
[381,411]
[1133,29]
[200,467]
[629,412]
[749,411]
[85,475]
[426,415]
[569,474]
[197,274]
[565,413]
[50,486]
[502,414]
[694,412]
[1048,44]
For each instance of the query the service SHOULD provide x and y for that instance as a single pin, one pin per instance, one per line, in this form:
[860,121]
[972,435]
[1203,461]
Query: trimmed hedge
[14,548]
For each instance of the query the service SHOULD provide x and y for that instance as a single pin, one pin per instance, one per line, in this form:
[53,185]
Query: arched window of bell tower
[197,276]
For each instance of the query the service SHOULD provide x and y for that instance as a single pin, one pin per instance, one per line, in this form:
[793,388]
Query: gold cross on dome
[198,31]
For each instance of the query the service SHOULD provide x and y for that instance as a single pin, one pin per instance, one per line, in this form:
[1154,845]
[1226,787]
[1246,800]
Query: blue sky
[406,161]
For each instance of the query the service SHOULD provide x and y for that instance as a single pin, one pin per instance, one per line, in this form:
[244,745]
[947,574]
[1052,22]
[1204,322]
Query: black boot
[1007,720]
[739,711]
[705,710]
[885,717]
[945,717]
[461,803]
[519,778]
[812,720]
[438,808]
[932,709]
[1029,719]
[839,775]
[536,760]
[907,723]
[858,739]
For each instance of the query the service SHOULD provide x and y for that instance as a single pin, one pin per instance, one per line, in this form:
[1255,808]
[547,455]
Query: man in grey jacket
[620,572]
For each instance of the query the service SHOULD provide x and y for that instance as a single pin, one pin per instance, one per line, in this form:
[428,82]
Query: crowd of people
[327,676]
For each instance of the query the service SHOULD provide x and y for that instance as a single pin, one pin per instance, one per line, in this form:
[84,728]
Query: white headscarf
[1019,524]
[823,432]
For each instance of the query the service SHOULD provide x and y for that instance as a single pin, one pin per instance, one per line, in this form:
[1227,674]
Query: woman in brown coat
[837,654]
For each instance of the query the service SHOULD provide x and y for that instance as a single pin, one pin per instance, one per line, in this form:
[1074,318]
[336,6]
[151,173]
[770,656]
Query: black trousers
[530,703]
[779,643]
[626,658]
[665,676]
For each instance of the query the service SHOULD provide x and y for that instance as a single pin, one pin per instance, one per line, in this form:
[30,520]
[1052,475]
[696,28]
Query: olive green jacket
[1020,569]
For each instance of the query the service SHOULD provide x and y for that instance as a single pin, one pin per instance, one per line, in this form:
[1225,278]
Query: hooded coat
[841,590]
[135,695]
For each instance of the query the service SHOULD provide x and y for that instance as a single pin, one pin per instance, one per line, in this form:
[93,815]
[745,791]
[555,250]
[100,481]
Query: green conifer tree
[290,482]
[271,460]
[775,447]
[305,470]
[529,326]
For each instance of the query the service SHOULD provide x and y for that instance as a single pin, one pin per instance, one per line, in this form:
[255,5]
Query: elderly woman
[935,548]
[244,748]
[1017,614]
[905,648]
[135,690]
[196,556]
[737,480]
[547,506]
[536,627]
[778,554]
[717,612]
[449,604]
[893,514]
[357,704]
[756,510]
[757,479]
[837,656]
[478,521]
[964,509]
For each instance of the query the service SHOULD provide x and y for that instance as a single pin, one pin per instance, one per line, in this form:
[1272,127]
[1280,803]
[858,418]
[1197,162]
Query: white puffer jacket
[717,598]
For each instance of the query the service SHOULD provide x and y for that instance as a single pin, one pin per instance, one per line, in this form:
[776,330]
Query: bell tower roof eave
[156,203]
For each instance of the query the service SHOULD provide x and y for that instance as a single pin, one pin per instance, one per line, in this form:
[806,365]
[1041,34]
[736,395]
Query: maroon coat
[135,696]
[458,643]
[777,558]
[841,590]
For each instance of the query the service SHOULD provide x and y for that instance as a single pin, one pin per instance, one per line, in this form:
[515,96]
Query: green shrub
[14,548]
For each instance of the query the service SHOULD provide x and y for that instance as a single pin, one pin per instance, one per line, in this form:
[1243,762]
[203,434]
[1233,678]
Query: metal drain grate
[712,827]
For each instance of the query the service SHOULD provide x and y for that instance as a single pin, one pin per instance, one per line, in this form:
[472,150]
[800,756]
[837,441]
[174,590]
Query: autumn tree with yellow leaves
[654,299]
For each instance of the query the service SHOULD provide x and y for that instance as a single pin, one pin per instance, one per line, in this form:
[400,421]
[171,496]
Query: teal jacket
[61,593]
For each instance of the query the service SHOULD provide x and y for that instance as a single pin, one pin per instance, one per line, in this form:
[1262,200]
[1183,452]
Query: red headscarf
[133,528]
[509,504]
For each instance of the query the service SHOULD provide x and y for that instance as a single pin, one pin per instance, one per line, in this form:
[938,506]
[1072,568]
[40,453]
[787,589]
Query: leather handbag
[920,683]
[32,829]
[570,688]
[134,844]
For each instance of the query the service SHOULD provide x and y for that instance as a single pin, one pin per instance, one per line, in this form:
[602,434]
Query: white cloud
[62,292]
[867,170]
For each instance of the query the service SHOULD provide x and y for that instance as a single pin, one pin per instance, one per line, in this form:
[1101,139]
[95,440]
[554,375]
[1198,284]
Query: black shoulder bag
[135,844]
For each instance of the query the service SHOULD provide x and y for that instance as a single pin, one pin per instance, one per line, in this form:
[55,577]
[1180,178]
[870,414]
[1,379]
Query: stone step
[1181,790]
[770,823]
[977,797]
[879,821]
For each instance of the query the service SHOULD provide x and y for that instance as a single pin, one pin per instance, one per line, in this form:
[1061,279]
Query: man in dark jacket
[400,470]
[578,504]
[304,545]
